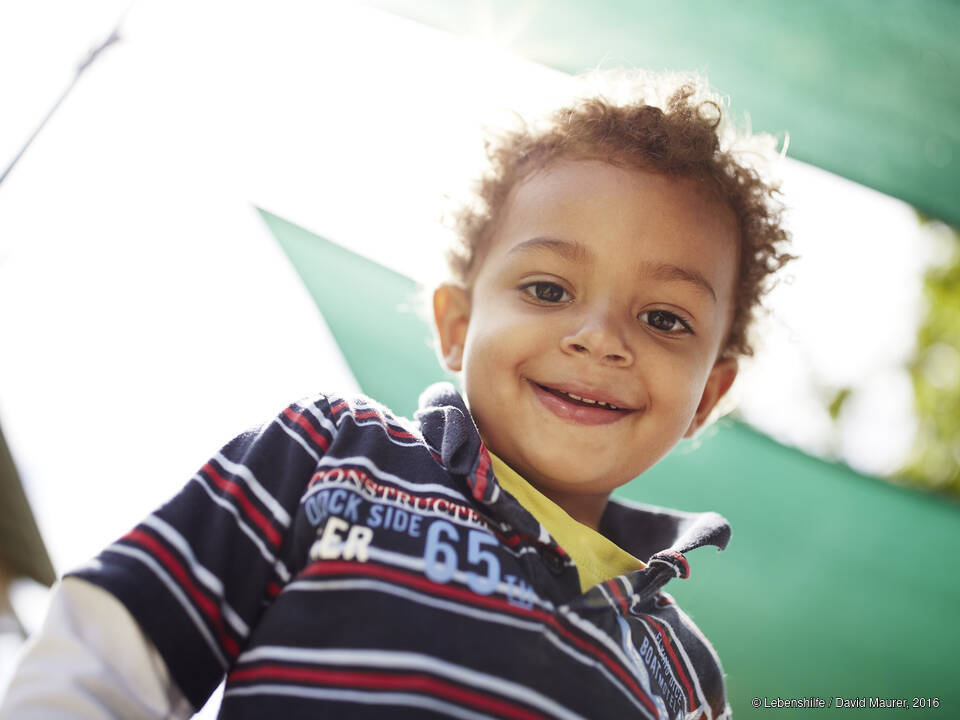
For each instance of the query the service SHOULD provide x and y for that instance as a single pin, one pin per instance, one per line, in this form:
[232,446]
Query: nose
[599,336]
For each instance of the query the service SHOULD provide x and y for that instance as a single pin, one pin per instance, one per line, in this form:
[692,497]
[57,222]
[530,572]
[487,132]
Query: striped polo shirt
[342,562]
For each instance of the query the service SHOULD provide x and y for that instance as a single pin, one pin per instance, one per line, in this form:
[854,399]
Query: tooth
[574,396]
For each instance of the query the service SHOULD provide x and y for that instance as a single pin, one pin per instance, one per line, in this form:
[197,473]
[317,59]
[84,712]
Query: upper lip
[585,391]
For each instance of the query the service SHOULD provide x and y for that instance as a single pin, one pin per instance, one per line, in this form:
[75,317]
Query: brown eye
[547,292]
[664,321]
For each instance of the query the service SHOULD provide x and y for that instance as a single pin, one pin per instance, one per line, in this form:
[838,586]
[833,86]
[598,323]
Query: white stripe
[296,436]
[639,667]
[544,536]
[600,667]
[402,442]
[204,576]
[636,666]
[361,696]
[386,427]
[322,419]
[600,637]
[664,658]
[416,597]
[501,618]
[705,704]
[278,566]
[611,678]
[381,421]
[177,592]
[414,487]
[403,660]
[603,591]
[248,477]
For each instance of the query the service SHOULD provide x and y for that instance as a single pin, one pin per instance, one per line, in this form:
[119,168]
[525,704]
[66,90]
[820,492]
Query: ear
[451,313]
[721,377]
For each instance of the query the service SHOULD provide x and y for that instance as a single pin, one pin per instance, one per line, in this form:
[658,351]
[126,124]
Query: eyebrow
[579,253]
[669,271]
[568,249]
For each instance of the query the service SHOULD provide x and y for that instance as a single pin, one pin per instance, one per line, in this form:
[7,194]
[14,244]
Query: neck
[586,509]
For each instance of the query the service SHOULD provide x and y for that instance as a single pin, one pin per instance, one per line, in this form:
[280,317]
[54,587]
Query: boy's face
[613,285]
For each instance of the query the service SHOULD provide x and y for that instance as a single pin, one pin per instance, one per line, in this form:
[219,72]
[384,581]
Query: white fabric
[90,660]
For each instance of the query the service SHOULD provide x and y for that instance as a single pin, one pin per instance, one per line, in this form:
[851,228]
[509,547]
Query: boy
[343,562]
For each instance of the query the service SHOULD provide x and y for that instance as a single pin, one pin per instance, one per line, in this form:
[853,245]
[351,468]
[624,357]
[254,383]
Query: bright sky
[148,316]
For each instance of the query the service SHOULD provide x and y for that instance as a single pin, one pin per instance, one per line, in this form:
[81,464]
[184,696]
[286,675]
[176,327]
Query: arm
[195,576]
[91,660]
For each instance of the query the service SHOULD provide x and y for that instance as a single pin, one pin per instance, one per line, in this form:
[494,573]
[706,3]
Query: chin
[574,477]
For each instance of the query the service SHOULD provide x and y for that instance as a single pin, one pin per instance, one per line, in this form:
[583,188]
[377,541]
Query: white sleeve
[91,660]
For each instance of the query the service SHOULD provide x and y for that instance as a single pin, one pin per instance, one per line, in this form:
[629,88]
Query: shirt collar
[448,427]
[641,530]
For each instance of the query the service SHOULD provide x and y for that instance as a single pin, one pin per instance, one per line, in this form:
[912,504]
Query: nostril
[579,348]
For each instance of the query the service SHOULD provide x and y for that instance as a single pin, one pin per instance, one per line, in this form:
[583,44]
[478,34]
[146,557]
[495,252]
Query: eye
[547,292]
[665,321]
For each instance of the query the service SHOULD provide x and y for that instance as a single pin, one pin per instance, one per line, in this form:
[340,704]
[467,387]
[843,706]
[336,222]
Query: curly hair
[675,126]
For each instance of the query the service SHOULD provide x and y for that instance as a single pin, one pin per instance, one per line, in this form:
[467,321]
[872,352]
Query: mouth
[586,407]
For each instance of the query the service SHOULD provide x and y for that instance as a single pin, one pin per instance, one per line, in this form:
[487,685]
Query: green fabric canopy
[866,90]
[834,584]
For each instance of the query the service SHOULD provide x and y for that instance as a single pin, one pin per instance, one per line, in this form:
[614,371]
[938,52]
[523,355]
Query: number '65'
[441,558]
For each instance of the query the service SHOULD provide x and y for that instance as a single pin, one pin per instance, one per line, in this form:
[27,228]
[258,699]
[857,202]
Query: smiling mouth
[581,400]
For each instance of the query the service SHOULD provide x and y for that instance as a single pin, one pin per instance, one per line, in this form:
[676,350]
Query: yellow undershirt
[597,558]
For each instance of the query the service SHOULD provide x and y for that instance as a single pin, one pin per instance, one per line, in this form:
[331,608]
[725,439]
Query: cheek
[677,383]
[502,343]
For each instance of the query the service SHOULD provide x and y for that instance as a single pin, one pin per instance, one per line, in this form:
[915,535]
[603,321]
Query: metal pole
[81,68]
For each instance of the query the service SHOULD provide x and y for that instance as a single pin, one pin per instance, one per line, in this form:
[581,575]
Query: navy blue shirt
[342,562]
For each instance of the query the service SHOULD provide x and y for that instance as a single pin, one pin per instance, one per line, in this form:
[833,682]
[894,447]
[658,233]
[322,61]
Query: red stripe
[374,414]
[480,476]
[305,424]
[471,598]
[681,558]
[331,567]
[618,595]
[339,406]
[273,589]
[231,488]
[675,661]
[513,540]
[400,433]
[663,600]
[386,681]
[206,605]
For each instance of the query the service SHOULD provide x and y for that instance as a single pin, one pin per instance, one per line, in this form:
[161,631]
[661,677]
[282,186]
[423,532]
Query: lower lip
[577,413]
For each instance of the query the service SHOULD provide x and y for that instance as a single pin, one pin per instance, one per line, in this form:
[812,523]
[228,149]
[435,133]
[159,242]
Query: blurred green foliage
[935,370]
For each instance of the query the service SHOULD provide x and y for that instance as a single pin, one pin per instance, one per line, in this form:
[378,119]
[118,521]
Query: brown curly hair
[686,135]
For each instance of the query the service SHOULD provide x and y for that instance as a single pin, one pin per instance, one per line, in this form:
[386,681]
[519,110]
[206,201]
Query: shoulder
[359,412]
[353,425]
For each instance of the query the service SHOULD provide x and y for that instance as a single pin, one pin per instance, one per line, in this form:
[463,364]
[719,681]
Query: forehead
[576,186]
[602,211]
